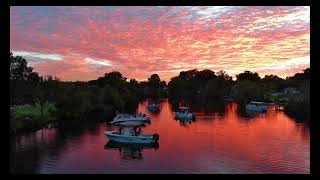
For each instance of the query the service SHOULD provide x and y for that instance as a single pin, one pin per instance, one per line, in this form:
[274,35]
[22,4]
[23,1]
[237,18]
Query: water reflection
[30,149]
[247,114]
[130,151]
[185,123]
[252,113]
[219,141]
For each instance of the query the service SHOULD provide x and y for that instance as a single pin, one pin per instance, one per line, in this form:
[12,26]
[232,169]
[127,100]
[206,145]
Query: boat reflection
[130,151]
[185,122]
[248,113]
[252,113]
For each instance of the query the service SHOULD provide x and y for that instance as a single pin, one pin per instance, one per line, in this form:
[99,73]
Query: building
[290,90]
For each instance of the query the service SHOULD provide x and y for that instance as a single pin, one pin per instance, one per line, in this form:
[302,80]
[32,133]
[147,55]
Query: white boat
[257,106]
[131,137]
[184,113]
[130,120]
[153,107]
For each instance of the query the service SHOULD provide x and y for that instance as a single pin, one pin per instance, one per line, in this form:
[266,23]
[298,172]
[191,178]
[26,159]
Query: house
[277,94]
[290,90]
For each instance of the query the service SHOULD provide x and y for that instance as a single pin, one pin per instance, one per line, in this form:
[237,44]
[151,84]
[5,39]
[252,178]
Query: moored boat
[184,113]
[131,136]
[130,120]
[153,107]
[257,106]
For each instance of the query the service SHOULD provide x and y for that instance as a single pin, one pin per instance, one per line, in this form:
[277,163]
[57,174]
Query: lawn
[34,112]
[29,118]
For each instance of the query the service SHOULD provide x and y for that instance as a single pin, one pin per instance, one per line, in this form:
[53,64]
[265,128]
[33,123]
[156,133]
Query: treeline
[210,87]
[73,101]
[99,99]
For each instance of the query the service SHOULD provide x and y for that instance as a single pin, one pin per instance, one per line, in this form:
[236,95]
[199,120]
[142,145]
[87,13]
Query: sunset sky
[84,43]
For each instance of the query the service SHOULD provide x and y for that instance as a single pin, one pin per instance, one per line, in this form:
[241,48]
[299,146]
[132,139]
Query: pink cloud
[140,41]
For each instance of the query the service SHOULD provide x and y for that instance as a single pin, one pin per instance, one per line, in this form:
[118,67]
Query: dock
[279,106]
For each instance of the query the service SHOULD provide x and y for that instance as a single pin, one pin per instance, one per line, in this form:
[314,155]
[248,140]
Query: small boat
[130,120]
[184,114]
[130,136]
[257,106]
[227,98]
[153,107]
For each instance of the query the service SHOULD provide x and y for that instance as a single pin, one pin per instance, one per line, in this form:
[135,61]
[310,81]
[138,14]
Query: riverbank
[27,118]
[299,110]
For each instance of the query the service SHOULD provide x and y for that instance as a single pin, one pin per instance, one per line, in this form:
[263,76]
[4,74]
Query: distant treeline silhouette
[83,101]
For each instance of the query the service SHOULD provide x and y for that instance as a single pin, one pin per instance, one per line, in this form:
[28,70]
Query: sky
[84,43]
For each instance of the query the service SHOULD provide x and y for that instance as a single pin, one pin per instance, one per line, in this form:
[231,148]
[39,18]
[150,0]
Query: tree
[74,103]
[301,76]
[154,81]
[45,92]
[245,91]
[248,76]
[153,84]
[201,78]
[223,75]
[271,78]
[136,88]
[19,69]
[272,83]
[163,84]
[216,89]
[113,78]
[134,82]
[22,80]
[205,75]
[189,84]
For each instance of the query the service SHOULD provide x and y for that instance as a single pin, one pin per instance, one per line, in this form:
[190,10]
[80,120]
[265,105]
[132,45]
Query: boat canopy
[256,102]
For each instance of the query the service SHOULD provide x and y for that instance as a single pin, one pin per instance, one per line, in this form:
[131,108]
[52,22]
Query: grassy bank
[24,119]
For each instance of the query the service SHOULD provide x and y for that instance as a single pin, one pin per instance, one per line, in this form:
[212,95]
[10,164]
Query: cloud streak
[53,57]
[138,41]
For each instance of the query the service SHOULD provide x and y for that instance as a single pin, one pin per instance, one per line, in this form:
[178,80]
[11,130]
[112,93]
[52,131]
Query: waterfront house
[290,90]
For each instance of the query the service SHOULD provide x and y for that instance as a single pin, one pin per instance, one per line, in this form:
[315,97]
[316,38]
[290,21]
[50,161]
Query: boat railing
[257,103]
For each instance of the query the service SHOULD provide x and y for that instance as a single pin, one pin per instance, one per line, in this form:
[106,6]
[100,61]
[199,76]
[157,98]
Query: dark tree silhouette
[163,84]
[248,76]
[19,69]
[154,81]
[153,84]
[223,75]
[114,76]
[22,80]
[189,84]
[301,76]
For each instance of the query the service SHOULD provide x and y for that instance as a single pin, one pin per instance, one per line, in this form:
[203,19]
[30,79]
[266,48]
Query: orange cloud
[140,41]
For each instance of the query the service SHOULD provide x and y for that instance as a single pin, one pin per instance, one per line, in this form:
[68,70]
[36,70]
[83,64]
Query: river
[216,142]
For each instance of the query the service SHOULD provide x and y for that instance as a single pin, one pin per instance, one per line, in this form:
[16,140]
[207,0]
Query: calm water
[222,142]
